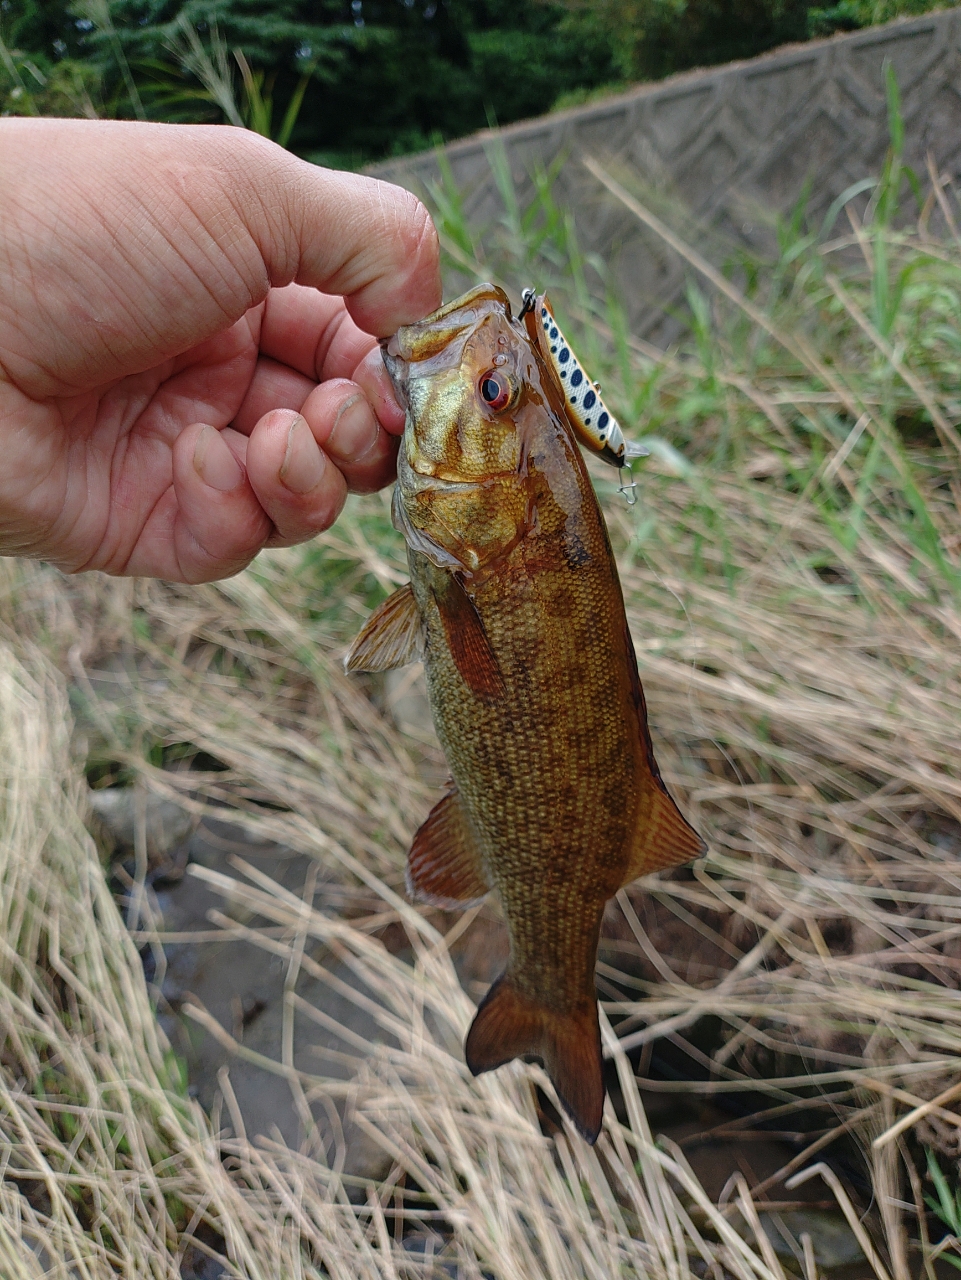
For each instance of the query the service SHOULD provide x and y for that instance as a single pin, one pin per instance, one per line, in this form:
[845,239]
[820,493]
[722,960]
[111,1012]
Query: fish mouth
[398,370]
[471,299]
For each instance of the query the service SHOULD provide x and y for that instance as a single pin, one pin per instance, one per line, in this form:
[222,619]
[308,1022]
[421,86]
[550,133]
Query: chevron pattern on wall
[715,152]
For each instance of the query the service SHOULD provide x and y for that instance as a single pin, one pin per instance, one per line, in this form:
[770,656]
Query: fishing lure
[595,425]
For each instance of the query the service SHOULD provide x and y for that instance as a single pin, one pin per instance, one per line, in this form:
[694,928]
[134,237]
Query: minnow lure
[595,425]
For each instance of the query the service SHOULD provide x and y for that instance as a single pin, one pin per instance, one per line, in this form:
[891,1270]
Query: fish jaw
[438,368]
[428,354]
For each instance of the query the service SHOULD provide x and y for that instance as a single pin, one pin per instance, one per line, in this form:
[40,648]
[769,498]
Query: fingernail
[214,463]
[354,431]
[304,464]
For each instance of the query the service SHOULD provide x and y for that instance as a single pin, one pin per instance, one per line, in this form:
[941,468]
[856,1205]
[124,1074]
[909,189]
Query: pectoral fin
[444,866]
[391,637]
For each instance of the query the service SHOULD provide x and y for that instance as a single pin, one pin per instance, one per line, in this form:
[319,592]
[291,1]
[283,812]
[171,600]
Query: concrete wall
[724,144]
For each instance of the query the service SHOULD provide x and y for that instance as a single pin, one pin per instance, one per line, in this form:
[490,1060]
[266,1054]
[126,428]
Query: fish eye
[495,390]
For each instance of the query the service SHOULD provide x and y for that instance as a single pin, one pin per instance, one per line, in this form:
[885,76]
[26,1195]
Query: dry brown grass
[109,1169]
[810,738]
[795,597]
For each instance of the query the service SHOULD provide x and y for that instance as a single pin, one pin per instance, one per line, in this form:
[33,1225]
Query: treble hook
[629,490]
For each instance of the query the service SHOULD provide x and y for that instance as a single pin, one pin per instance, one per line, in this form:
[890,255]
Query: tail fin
[508,1025]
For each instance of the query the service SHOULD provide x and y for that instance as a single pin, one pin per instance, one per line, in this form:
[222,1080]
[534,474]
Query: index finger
[312,333]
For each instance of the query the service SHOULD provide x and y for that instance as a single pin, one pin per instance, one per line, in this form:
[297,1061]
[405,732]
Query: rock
[168,824]
[242,986]
[425,1249]
[833,1240]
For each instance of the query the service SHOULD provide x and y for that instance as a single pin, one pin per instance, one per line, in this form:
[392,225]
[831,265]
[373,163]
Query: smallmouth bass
[515,606]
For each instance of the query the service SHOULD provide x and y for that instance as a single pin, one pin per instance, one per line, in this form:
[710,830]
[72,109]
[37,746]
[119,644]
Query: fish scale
[515,606]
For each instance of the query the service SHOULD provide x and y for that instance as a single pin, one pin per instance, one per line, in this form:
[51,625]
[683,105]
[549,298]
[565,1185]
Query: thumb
[370,241]
[133,243]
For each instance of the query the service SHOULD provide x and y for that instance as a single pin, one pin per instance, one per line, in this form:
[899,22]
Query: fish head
[478,410]
[462,374]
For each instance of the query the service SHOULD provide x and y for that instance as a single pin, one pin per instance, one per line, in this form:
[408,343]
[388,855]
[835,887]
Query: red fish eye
[495,390]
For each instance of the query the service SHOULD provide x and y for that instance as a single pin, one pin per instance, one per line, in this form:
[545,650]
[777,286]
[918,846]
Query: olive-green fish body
[516,608]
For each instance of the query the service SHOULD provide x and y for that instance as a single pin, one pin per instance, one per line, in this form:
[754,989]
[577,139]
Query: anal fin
[509,1025]
[391,637]
[664,838]
[444,866]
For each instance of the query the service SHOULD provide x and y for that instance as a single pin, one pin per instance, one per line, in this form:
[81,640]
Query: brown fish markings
[516,606]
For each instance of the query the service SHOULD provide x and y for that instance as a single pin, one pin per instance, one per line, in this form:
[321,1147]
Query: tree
[347,81]
[384,76]
[655,38]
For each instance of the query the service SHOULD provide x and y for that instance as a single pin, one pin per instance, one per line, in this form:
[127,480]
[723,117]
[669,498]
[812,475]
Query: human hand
[187,366]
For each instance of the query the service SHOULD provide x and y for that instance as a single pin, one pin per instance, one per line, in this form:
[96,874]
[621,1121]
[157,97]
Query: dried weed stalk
[794,587]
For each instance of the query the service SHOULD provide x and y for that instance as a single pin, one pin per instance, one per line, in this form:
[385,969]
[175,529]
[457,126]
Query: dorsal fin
[663,836]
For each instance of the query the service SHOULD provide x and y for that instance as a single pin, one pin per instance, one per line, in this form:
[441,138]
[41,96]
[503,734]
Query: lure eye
[495,390]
